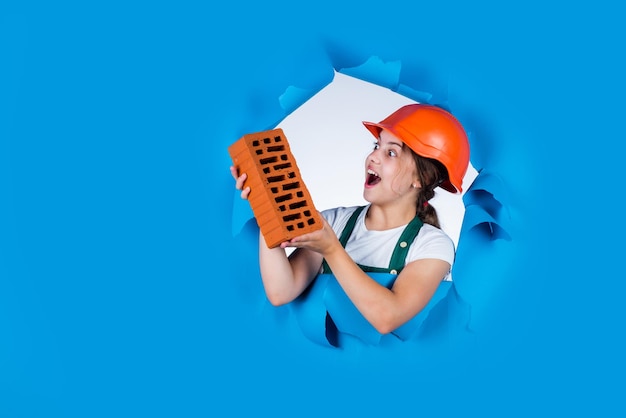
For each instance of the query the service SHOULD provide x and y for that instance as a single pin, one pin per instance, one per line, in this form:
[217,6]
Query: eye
[392,153]
[376,145]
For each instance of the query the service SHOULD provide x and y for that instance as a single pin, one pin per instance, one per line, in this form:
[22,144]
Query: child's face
[390,170]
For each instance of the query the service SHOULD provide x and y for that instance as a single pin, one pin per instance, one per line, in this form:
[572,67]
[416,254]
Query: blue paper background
[122,288]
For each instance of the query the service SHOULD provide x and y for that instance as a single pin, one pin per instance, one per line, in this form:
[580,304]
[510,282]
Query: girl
[417,148]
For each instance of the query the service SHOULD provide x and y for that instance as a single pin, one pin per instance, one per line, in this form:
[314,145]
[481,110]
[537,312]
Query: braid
[431,174]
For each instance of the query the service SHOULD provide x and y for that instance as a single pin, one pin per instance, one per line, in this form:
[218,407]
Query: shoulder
[432,242]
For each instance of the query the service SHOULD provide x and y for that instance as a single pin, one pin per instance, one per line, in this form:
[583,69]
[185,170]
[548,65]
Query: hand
[321,241]
[245,191]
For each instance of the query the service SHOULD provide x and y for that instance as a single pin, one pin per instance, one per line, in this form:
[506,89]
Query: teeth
[372,172]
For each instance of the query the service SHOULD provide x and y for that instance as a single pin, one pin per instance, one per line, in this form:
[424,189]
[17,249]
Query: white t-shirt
[374,248]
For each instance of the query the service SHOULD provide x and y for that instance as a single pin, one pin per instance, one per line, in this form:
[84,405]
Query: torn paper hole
[329,123]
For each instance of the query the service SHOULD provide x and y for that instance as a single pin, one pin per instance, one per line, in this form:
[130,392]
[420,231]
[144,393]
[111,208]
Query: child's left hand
[321,241]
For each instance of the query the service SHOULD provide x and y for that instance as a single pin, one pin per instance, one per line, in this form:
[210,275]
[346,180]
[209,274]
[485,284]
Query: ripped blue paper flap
[418,96]
[486,200]
[294,97]
[489,182]
[376,71]
[325,297]
[485,209]
[410,329]
[310,311]
[478,219]
[346,316]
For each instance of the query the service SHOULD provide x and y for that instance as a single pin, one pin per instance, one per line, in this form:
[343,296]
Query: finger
[240,180]
[233,172]
[309,236]
[298,242]
[291,244]
[245,193]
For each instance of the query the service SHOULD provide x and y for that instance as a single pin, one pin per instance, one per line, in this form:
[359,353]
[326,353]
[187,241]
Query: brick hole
[291,217]
[266,170]
[307,213]
[256,143]
[278,139]
[300,225]
[268,160]
[291,175]
[259,151]
[267,140]
[283,198]
[290,186]
[290,228]
[282,208]
[297,205]
[274,189]
[275,179]
[276,148]
[282,166]
[284,157]
[311,221]
[299,193]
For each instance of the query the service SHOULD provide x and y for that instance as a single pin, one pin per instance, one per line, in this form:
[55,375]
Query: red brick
[278,196]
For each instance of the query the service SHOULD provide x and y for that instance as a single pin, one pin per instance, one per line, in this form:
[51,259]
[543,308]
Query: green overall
[398,257]
[324,311]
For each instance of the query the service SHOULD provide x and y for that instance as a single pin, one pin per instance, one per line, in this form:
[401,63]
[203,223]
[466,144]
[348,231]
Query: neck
[380,218]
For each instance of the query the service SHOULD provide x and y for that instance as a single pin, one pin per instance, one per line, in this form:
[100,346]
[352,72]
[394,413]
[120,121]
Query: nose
[373,156]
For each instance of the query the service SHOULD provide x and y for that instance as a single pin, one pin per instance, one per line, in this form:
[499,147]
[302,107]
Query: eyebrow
[390,142]
[397,144]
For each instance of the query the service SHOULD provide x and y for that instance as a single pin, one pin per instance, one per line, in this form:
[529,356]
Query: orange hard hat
[431,132]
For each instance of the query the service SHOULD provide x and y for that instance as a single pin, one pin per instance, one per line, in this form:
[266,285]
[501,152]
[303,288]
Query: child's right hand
[239,182]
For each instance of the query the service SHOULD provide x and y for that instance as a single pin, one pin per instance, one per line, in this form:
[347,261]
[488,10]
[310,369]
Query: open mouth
[372,178]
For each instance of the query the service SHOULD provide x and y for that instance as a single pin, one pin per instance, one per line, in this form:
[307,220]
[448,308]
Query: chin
[367,194]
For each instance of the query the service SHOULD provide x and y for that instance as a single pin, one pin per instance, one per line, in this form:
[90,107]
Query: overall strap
[399,254]
[347,230]
[345,234]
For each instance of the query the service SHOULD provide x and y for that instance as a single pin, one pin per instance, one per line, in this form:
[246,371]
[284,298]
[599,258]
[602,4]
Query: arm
[284,278]
[386,309]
